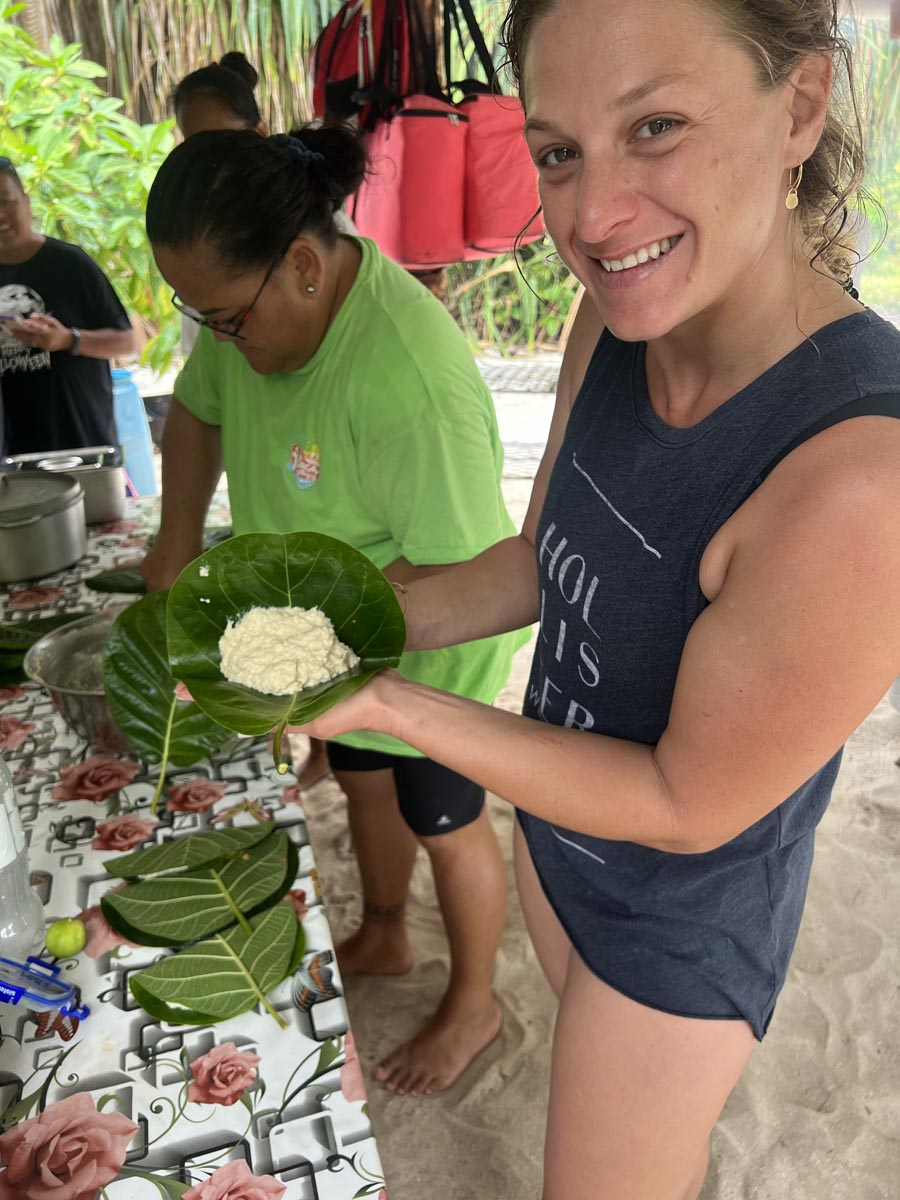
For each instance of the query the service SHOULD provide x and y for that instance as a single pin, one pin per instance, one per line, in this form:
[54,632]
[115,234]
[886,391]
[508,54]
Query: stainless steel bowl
[68,662]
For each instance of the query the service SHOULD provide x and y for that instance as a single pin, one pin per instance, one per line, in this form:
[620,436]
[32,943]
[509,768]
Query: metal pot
[42,526]
[101,473]
[68,662]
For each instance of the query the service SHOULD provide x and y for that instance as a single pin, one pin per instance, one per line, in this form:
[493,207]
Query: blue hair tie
[297,147]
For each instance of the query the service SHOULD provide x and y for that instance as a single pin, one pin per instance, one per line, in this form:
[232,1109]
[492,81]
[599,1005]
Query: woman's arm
[799,644]
[192,464]
[497,590]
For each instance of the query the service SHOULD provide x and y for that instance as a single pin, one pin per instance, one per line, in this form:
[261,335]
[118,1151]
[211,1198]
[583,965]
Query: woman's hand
[42,331]
[369,708]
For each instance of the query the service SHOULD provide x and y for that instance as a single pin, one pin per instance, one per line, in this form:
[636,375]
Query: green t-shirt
[386,439]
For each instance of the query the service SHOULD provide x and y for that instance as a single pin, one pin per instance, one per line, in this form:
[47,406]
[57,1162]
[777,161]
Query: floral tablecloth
[120,1106]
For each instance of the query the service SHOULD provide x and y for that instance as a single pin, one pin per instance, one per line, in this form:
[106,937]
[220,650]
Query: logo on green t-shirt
[304,464]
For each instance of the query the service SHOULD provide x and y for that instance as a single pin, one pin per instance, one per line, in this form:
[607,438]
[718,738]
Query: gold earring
[791,200]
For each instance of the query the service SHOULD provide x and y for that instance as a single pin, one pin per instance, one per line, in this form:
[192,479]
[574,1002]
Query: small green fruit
[66,937]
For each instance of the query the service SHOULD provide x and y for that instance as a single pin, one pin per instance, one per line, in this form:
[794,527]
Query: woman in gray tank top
[712,551]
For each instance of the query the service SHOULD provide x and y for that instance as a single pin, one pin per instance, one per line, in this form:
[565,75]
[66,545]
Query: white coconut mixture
[283,650]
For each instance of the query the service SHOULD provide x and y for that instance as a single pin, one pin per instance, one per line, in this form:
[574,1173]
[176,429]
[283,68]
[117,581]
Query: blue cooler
[134,433]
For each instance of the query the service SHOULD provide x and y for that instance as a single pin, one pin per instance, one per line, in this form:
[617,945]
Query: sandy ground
[816,1115]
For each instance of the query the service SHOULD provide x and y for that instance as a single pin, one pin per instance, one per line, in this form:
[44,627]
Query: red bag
[449,182]
[501,197]
[412,203]
[361,61]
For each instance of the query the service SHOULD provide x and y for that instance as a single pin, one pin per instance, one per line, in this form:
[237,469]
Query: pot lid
[28,494]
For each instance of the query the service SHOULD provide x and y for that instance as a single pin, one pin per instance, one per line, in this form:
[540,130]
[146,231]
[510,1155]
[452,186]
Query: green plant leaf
[223,976]
[172,909]
[19,635]
[303,570]
[117,579]
[140,690]
[195,850]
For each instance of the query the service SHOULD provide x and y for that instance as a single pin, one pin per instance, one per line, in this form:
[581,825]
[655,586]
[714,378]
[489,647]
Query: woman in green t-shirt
[341,398]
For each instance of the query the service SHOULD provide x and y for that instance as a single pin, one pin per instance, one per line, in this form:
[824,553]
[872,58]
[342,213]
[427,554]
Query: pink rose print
[68,1152]
[234,1182]
[123,833]
[352,1085]
[36,597]
[130,542]
[223,1075]
[8,694]
[13,733]
[97,778]
[292,794]
[195,796]
[118,527]
[297,897]
[101,937]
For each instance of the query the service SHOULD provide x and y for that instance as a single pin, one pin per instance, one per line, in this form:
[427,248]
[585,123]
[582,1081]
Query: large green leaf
[172,909]
[140,690]
[117,579]
[223,976]
[195,850]
[301,570]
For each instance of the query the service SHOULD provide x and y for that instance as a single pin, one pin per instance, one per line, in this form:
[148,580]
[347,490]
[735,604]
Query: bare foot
[316,766]
[435,1058]
[376,950]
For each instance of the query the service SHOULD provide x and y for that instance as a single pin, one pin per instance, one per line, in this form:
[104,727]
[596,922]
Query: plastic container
[21,912]
[38,985]
[134,433]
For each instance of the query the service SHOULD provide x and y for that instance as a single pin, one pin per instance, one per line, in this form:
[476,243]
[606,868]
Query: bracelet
[404,596]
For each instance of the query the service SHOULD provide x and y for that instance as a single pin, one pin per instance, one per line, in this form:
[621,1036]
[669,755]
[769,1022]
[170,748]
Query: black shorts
[433,799]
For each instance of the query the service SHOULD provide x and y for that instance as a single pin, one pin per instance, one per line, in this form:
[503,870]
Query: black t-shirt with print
[56,401]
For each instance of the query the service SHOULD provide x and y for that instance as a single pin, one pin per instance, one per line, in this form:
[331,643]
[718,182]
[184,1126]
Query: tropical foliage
[86,166]
[92,157]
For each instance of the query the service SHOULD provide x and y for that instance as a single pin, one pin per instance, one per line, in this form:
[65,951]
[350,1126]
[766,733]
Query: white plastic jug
[21,912]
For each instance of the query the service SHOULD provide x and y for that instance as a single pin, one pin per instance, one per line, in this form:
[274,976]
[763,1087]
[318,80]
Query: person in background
[219,96]
[60,324]
[712,550]
[222,96]
[343,399]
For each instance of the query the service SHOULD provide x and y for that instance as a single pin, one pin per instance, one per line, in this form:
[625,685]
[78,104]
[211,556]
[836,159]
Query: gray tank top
[631,506]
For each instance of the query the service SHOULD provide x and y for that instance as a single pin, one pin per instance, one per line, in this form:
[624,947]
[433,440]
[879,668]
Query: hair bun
[235,61]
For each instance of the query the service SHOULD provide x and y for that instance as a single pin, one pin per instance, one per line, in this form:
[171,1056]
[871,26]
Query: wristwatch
[75,348]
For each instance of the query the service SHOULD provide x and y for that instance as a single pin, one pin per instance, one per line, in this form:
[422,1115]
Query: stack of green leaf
[217,897]
[140,690]
[17,637]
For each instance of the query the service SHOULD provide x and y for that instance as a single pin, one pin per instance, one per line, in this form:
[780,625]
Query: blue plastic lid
[36,982]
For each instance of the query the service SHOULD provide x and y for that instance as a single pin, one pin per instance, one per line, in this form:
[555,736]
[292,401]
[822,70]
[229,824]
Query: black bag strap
[427,46]
[882,404]
[452,10]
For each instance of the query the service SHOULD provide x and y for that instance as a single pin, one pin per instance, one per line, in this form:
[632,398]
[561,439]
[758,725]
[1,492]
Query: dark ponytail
[231,82]
[247,196]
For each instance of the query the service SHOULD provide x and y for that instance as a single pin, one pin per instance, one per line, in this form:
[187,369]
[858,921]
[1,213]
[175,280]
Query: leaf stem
[241,919]
[253,984]
[280,765]
[164,761]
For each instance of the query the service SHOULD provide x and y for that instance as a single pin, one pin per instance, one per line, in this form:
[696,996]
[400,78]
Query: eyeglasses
[230,328]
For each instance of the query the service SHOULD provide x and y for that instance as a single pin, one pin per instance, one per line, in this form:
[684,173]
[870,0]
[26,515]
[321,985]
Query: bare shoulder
[837,495]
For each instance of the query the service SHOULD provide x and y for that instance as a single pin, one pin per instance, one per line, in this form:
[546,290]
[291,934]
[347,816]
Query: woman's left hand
[368,708]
